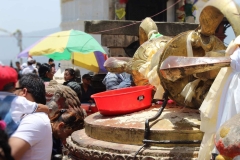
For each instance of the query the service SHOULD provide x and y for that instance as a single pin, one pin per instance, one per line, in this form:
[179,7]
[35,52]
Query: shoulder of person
[38,118]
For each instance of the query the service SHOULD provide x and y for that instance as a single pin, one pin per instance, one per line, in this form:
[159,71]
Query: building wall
[75,12]
[170,11]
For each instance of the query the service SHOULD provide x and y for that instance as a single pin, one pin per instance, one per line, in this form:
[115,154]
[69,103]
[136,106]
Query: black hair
[43,69]
[71,72]
[38,64]
[72,117]
[35,86]
[86,76]
[29,63]
[4,146]
[50,60]
[9,87]
[52,65]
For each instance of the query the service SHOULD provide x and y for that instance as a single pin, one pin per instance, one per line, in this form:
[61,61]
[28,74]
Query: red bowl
[123,101]
[89,108]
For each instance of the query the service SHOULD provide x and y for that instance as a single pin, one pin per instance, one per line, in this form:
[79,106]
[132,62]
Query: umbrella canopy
[78,46]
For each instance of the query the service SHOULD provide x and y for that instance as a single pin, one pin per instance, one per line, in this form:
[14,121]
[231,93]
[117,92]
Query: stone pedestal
[120,137]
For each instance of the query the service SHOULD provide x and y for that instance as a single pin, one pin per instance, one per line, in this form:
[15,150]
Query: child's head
[8,78]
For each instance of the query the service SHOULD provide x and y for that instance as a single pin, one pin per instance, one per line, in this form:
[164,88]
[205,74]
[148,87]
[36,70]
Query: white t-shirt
[36,130]
[12,109]
[29,69]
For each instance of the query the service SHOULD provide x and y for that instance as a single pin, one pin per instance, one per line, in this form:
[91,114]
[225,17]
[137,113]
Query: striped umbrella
[78,46]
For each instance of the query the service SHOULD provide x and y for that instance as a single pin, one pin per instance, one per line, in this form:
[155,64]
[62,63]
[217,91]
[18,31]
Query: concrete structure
[75,12]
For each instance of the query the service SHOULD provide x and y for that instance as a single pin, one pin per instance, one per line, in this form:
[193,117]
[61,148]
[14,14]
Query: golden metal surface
[146,28]
[176,67]
[144,55]
[175,123]
[213,13]
[178,47]
[202,41]
[118,64]
[220,157]
[198,43]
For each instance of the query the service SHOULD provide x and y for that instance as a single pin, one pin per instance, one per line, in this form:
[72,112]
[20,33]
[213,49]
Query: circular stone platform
[119,137]
[175,123]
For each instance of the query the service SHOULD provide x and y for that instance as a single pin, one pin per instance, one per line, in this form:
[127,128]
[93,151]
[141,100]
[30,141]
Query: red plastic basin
[123,101]
[89,108]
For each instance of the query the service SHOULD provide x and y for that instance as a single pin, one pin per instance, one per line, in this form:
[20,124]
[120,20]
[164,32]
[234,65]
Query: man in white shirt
[33,138]
[30,68]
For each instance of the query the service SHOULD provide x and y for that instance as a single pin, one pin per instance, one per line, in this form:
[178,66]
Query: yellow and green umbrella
[78,46]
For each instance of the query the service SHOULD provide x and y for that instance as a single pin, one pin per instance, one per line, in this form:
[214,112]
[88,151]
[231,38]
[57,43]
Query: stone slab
[118,27]
[117,40]
[115,52]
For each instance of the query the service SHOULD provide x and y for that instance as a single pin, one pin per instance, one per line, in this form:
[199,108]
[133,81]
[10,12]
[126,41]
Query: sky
[32,17]
[29,15]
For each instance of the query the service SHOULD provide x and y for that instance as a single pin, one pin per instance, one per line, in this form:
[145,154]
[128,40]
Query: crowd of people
[34,131]
[25,118]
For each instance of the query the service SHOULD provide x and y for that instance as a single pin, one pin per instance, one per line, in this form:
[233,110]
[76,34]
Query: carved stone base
[82,147]
[120,137]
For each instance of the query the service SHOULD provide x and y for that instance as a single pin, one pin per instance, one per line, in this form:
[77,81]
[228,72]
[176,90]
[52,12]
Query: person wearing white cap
[30,68]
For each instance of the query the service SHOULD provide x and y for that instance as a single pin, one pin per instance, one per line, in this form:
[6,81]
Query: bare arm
[18,147]
[42,108]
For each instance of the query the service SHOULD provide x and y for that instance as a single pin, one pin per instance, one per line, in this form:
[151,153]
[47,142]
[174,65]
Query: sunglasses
[18,88]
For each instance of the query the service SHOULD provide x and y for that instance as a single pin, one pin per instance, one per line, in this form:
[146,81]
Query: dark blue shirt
[86,95]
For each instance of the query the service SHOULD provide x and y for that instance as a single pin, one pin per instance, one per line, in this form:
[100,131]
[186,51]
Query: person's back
[115,81]
[36,130]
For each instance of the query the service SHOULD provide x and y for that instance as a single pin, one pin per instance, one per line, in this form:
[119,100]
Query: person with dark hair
[18,69]
[53,68]
[18,66]
[50,61]
[64,123]
[78,75]
[5,150]
[32,87]
[87,89]
[69,77]
[45,72]
[32,137]
[38,65]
